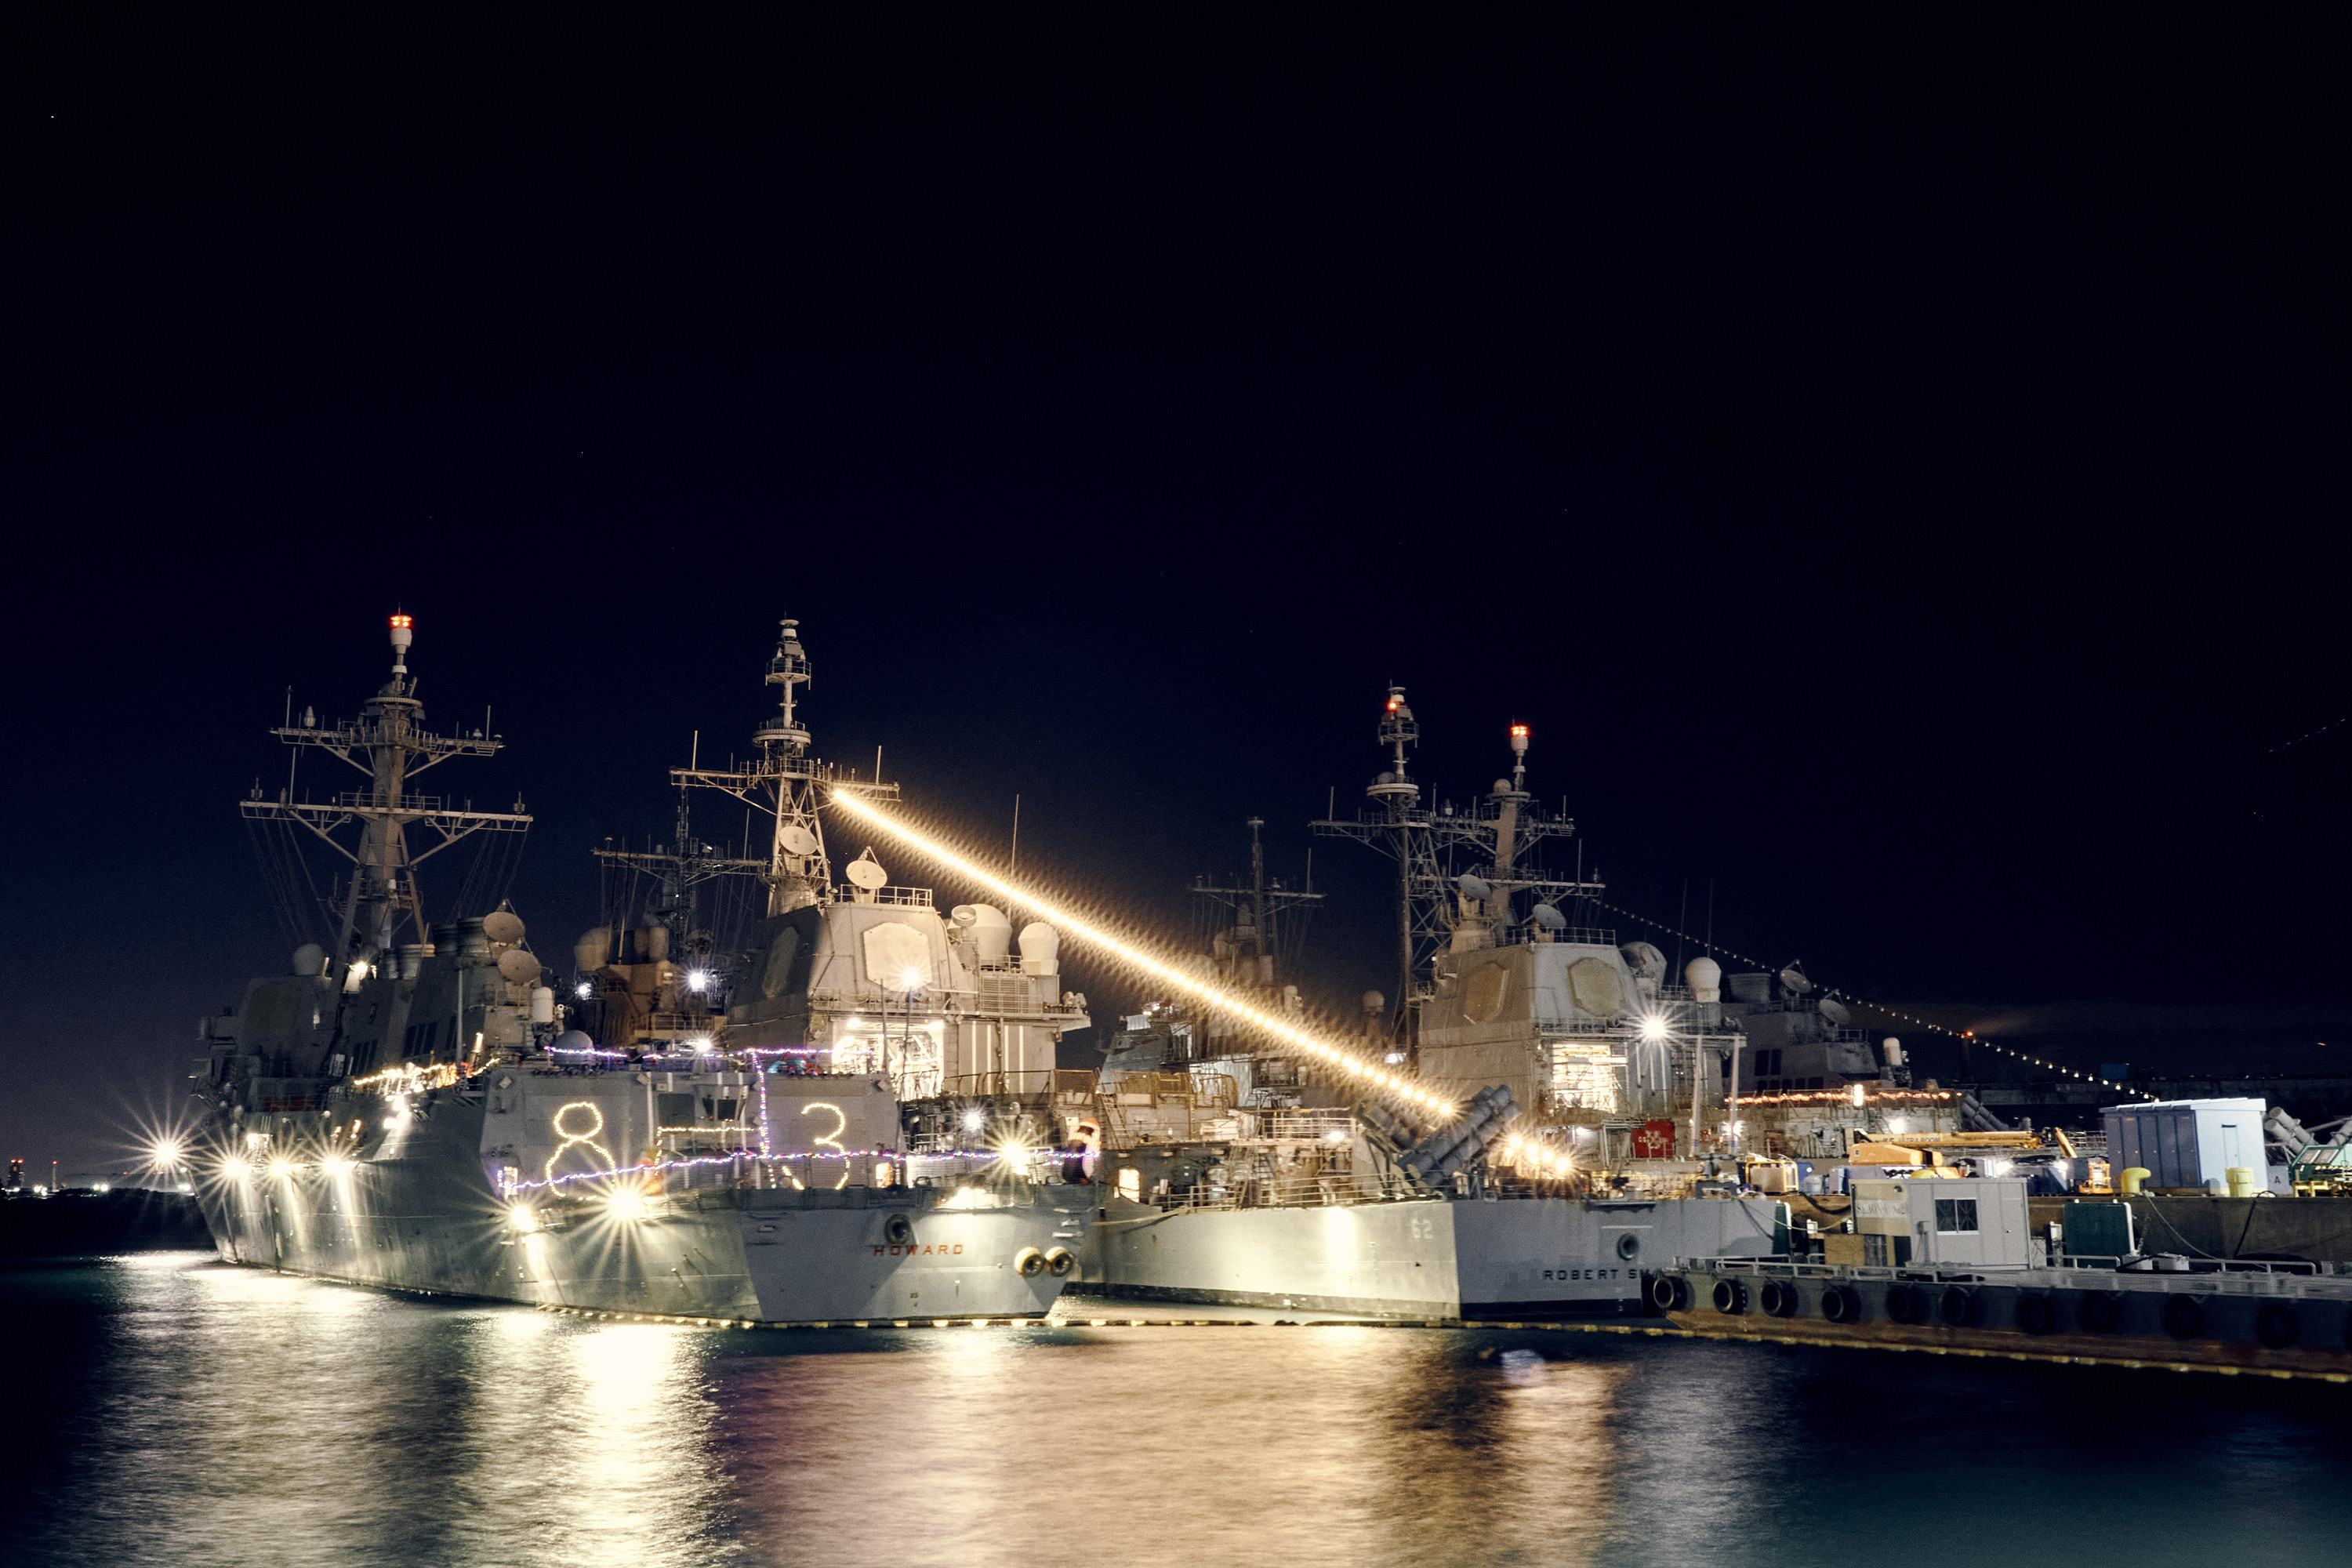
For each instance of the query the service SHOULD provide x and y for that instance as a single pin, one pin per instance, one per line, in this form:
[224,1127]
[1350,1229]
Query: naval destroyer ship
[413,1107]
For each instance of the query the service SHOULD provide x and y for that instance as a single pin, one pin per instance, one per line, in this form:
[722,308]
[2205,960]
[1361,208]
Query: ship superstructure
[427,1114]
[860,977]
[1507,978]
[1230,1172]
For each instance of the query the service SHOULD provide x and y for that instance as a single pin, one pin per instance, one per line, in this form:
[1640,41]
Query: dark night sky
[1897,470]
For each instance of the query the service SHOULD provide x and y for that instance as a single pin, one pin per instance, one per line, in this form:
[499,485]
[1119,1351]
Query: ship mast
[389,743]
[1437,910]
[1254,941]
[680,868]
[784,783]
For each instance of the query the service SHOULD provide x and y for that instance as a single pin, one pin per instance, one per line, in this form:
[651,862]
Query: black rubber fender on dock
[1841,1304]
[2099,1312]
[1730,1297]
[1778,1298]
[2035,1313]
[1957,1306]
[1904,1304]
[1670,1292]
[2184,1317]
[2278,1325]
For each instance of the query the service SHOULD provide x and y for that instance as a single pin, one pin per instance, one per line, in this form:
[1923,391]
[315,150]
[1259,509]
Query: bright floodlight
[165,1154]
[1654,1028]
[973,1120]
[1227,1000]
[698,980]
[281,1168]
[584,989]
[522,1218]
[914,979]
[627,1203]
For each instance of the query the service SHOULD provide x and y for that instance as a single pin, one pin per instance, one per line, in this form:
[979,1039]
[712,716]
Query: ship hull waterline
[426,1219]
[1438,1258]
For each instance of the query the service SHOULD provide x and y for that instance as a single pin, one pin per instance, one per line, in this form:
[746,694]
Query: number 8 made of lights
[585,1138]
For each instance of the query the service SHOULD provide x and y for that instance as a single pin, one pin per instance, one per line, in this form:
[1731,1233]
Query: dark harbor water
[163,1408]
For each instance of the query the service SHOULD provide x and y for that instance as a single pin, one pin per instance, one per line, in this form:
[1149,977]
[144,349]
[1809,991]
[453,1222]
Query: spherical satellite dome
[573,1040]
[310,958]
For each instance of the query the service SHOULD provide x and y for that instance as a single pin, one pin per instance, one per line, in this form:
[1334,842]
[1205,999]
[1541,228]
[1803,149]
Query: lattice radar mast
[1455,869]
[390,746]
[785,782]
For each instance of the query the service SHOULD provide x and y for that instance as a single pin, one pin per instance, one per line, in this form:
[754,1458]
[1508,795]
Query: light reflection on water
[177,1411]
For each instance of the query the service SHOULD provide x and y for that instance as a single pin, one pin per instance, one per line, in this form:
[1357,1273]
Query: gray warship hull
[1459,1257]
[416,1206]
[415,1114]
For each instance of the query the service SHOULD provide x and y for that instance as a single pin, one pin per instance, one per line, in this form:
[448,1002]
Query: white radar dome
[1643,959]
[1041,946]
[1704,977]
[310,958]
[990,932]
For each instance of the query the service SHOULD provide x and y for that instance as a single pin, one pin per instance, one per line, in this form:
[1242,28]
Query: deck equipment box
[2186,1143]
[1976,1222]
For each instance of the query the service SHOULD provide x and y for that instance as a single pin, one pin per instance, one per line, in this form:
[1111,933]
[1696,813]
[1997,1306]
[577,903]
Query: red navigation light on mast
[404,633]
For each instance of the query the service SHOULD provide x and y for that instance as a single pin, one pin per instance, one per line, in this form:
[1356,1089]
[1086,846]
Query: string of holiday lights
[1966,1035]
[1845,1097]
[1227,1002]
[417,1076]
[655,1167]
[2314,734]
